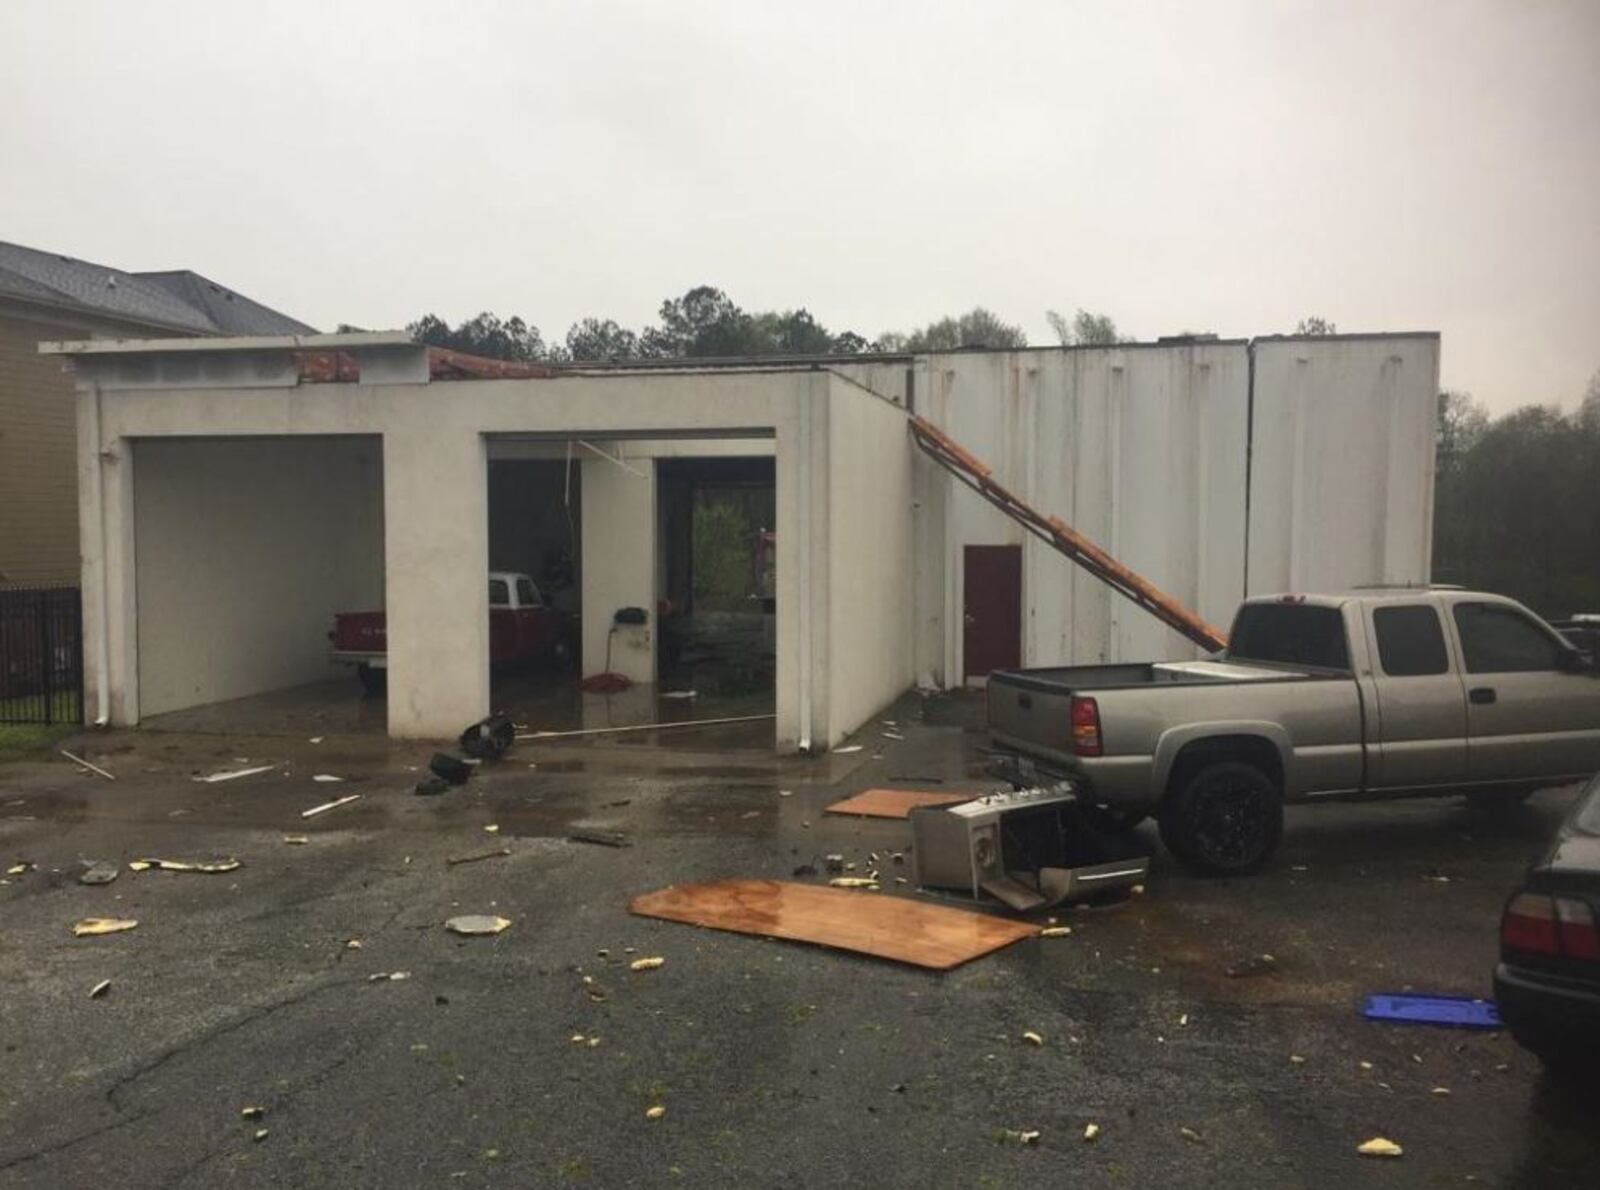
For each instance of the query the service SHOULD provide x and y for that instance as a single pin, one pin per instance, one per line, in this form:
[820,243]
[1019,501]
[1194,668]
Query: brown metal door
[992,631]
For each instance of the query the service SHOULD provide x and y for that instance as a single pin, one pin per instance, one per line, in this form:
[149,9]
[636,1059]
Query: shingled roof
[177,300]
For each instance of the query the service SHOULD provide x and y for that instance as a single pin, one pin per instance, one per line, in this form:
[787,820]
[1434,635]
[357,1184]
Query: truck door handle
[1481,694]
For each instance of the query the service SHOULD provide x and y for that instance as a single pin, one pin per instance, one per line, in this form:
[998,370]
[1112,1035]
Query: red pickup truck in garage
[523,629]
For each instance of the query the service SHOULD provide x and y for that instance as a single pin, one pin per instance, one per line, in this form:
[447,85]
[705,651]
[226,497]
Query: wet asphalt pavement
[777,1064]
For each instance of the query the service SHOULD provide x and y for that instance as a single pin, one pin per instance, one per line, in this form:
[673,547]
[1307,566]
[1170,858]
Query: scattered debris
[21,869]
[646,964]
[834,862]
[893,803]
[352,944]
[492,828]
[297,840]
[601,838]
[1440,1091]
[1055,931]
[1456,1012]
[1379,1146]
[93,768]
[853,882]
[1259,964]
[450,768]
[252,1112]
[893,735]
[655,1113]
[431,786]
[680,694]
[785,793]
[1183,1020]
[1021,1136]
[209,867]
[316,739]
[389,976]
[100,871]
[805,870]
[326,806]
[473,857]
[895,928]
[489,739]
[1091,1132]
[100,989]
[1298,1060]
[234,774]
[1032,1038]
[259,1135]
[327,778]
[91,926]
[475,924]
[846,751]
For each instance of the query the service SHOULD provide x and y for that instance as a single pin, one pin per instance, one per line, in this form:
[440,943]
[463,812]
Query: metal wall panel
[1341,486]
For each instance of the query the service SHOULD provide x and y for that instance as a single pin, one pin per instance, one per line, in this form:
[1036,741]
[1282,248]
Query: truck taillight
[1539,924]
[1085,727]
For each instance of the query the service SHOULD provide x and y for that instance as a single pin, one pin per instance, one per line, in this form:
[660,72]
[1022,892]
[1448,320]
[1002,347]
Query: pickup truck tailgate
[1036,707]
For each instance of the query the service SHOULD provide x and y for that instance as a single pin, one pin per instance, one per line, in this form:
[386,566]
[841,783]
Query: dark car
[1548,980]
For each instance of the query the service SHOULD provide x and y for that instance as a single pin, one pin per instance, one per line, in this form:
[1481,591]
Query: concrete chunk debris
[1020,1136]
[252,1112]
[388,976]
[20,869]
[1190,1134]
[492,829]
[1032,1038]
[297,840]
[100,989]
[93,768]
[646,964]
[208,867]
[847,750]
[1091,1132]
[333,805]
[235,774]
[655,1113]
[1440,1091]
[1055,931]
[1379,1146]
[259,1135]
[327,778]
[101,871]
[853,882]
[474,925]
[92,926]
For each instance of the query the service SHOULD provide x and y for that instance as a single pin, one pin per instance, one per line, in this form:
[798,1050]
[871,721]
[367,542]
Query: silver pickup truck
[1373,694]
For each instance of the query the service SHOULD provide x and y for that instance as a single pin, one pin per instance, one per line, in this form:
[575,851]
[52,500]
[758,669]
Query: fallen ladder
[1053,531]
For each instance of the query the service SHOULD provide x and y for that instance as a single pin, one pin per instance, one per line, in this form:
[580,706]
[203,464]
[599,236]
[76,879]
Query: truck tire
[1225,820]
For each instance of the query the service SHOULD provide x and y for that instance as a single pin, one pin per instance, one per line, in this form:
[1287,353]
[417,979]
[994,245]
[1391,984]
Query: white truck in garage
[1373,694]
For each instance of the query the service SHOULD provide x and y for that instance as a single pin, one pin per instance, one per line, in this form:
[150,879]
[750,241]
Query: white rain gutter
[102,609]
[803,491]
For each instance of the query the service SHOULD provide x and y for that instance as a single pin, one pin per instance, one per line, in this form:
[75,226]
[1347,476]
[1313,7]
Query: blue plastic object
[1453,1012]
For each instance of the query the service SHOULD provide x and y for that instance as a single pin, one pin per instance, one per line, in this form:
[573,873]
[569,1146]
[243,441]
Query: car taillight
[1085,727]
[1538,924]
[1576,927]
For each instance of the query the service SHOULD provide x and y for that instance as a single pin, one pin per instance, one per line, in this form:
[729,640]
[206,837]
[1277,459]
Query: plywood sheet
[894,803]
[870,923]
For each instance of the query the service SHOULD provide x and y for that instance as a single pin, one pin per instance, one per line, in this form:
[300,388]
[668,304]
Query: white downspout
[803,488]
[103,594]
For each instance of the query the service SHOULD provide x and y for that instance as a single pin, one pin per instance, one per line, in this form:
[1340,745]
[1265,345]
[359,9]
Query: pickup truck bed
[1373,694]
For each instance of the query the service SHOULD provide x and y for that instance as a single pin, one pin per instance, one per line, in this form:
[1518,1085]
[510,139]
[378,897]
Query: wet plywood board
[894,803]
[869,923]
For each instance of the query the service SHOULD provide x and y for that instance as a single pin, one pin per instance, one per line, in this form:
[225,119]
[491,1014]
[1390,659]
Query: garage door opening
[718,570]
[246,549]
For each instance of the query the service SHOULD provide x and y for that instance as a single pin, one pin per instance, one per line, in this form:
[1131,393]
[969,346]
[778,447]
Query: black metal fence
[41,655]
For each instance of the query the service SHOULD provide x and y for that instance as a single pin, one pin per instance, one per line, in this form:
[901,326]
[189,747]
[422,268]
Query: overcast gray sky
[1393,165]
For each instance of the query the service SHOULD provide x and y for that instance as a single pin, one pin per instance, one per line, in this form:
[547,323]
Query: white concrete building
[231,506]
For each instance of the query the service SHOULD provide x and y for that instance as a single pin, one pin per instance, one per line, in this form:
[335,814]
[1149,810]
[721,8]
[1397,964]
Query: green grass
[21,740]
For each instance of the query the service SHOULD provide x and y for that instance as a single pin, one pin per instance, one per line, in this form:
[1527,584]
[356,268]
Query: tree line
[1517,502]
[705,322]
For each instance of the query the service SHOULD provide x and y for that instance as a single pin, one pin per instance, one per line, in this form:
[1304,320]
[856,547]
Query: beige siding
[38,465]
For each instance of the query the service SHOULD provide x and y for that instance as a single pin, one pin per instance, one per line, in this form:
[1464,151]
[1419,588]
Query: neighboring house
[44,295]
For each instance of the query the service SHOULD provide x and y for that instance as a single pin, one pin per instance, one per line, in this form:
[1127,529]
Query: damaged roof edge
[348,341]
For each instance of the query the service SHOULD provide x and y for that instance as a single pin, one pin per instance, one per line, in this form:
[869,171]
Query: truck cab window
[1289,634]
[1410,641]
[526,595]
[1498,640]
[499,593]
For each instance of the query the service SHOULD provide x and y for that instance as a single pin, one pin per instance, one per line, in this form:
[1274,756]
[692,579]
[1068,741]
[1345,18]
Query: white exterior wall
[286,531]
[1140,448]
[870,588]
[619,566]
[1341,486]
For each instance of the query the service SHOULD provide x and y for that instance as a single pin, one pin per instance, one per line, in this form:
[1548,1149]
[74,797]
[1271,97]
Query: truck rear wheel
[1225,820]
